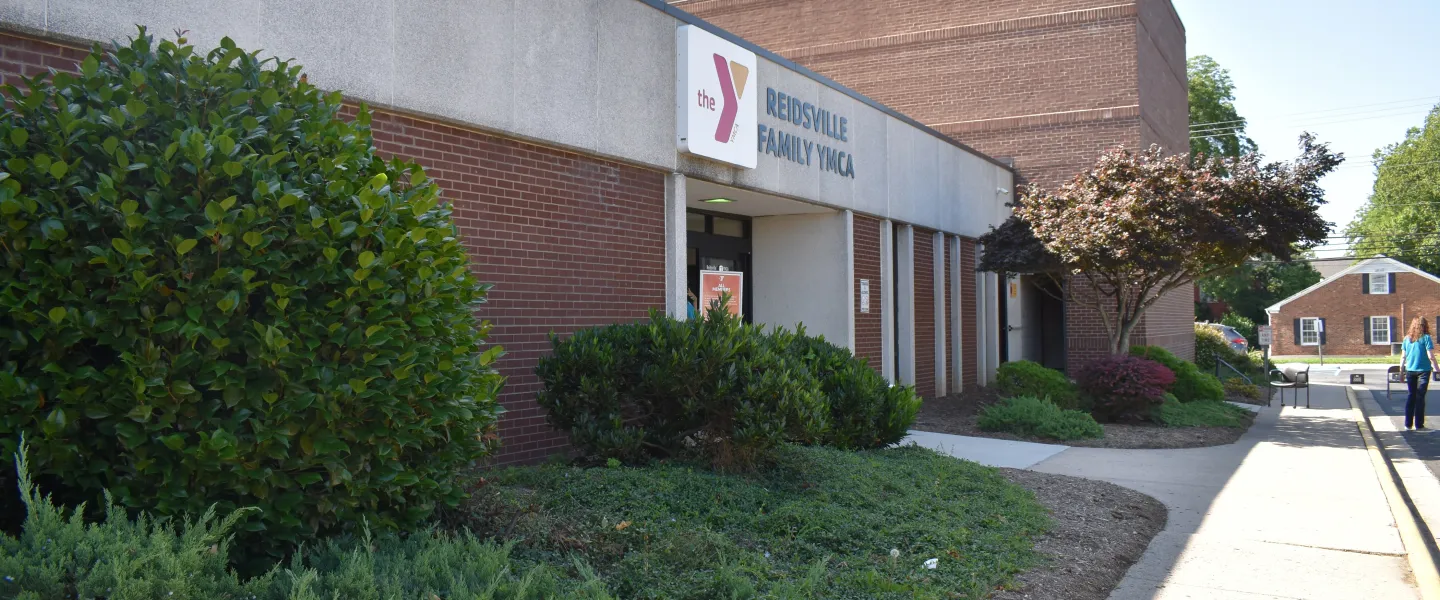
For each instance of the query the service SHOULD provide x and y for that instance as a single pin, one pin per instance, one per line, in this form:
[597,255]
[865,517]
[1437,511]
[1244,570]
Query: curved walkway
[1294,509]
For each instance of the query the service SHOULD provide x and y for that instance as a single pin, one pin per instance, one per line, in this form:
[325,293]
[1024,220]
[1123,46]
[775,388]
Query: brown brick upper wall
[1345,308]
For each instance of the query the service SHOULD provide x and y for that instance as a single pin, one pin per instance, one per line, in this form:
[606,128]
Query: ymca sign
[716,104]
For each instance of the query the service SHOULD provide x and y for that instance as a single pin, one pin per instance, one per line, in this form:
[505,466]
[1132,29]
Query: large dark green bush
[1191,383]
[1026,378]
[724,389]
[717,386]
[865,410]
[60,557]
[1210,344]
[1034,417]
[213,290]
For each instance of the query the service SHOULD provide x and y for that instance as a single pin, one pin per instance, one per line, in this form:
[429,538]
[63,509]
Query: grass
[1338,360]
[820,523]
[1202,413]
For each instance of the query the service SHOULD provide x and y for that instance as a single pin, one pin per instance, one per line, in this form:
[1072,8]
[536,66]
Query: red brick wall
[868,343]
[1345,308]
[925,312]
[950,324]
[568,241]
[969,316]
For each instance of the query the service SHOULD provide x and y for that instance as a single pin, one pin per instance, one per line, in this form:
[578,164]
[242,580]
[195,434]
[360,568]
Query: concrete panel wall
[801,273]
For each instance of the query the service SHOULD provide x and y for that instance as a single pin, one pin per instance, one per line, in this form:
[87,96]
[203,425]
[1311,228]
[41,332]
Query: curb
[1420,548]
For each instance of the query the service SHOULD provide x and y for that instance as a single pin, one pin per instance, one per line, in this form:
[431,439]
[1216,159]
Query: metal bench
[1292,376]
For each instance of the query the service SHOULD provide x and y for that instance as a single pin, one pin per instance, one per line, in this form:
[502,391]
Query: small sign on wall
[1014,290]
[864,295]
[714,284]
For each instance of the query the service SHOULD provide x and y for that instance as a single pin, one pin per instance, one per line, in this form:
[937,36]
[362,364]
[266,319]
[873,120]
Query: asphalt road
[1425,443]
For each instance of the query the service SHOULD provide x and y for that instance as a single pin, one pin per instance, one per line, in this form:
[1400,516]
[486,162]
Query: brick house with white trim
[1361,311]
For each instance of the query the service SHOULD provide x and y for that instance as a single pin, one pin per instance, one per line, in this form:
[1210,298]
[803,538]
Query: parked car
[1237,341]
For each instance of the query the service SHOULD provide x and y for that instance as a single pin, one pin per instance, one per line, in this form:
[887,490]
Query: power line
[1343,108]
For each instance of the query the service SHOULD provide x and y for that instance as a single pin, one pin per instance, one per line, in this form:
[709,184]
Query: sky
[1357,73]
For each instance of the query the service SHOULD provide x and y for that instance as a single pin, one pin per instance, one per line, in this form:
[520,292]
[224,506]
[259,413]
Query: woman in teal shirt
[1417,354]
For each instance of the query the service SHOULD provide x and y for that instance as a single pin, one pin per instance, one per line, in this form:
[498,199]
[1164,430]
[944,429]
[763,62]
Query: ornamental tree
[1138,225]
[214,291]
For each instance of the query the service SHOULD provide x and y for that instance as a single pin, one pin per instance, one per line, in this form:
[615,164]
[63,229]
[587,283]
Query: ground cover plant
[1033,417]
[214,290]
[1203,413]
[1026,378]
[1239,387]
[820,522]
[726,390]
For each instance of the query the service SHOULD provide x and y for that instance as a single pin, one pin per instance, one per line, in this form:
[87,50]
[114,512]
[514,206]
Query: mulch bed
[956,414]
[1100,530]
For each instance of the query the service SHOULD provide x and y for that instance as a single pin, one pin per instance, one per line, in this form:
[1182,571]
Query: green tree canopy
[1399,220]
[1216,128]
[1251,287]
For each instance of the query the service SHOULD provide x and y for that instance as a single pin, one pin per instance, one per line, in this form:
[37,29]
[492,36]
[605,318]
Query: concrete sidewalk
[1294,509]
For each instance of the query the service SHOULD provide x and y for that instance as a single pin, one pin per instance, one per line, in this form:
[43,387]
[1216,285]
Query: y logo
[733,76]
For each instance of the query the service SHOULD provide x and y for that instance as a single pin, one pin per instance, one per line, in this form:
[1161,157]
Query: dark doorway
[1051,322]
[719,242]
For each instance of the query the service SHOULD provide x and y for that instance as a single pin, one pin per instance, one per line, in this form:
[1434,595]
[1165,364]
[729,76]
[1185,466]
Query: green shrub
[1210,344]
[214,290]
[1240,388]
[1124,388]
[865,411]
[1190,384]
[1203,413]
[717,386]
[1026,378]
[1032,417]
[61,557]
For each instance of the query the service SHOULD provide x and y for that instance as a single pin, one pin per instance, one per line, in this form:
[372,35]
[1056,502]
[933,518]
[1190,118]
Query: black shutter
[1364,283]
[1394,329]
[1297,332]
[1322,332]
[1392,282]
[1366,328]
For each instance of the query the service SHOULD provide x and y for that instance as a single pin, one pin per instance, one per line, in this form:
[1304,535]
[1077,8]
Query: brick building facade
[580,222]
[1361,311]
[1047,84]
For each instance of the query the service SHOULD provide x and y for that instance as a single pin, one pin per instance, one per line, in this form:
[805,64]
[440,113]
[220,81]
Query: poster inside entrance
[714,284]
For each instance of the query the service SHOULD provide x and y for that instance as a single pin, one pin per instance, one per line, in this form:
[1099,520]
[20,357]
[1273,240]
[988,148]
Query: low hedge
[726,390]
[1033,417]
[1026,378]
[1191,384]
[1204,413]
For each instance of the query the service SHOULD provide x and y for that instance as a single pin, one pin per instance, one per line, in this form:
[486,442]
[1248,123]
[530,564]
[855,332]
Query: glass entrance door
[718,242]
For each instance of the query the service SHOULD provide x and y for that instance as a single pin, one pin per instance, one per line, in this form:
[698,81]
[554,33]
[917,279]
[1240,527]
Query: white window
[1379,283]
[1309,331]
[1380,330]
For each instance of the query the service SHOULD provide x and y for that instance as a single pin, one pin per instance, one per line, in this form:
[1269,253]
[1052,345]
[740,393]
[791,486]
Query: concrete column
[849,218]
[995,329]
[937,265]
[675,234]
[957,322]
[982,326]
[905,302]
[886,287]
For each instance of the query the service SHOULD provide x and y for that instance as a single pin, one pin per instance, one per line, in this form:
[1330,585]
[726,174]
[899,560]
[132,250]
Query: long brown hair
[1418,327]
